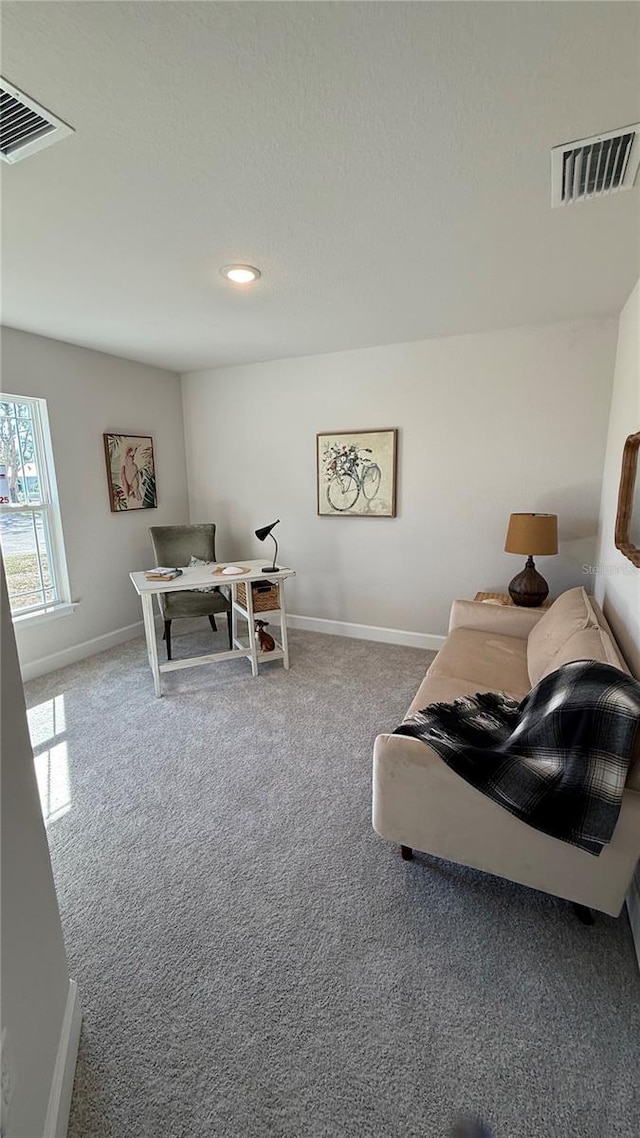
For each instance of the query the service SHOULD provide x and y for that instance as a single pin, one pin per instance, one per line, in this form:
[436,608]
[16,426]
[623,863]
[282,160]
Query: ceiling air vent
[25,126]
[593,167]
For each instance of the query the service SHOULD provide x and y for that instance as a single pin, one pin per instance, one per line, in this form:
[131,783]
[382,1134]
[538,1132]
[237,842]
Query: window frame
[49,509]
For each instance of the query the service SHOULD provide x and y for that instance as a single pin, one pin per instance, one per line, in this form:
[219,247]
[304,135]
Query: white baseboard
[80,651]
[633,909]
[57,1119]
[407,639]
[97,644]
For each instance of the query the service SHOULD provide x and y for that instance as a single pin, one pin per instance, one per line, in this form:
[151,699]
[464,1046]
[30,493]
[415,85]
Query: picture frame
[627,525]
[131,472]
[356,473]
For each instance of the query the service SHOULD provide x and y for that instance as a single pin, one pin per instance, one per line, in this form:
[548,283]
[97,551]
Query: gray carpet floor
[254,961]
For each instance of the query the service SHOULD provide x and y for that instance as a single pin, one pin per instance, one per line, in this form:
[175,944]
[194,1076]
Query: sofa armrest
[400,764]
[418,801]
[506,620]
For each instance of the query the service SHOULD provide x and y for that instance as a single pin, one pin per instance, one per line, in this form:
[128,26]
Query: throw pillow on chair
[196,563]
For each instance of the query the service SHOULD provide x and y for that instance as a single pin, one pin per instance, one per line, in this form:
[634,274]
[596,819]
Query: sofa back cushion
[597,644]
[570,613]
[587,644]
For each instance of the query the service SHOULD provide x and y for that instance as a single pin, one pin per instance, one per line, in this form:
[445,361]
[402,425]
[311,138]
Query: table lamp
[529,534]
[265,531]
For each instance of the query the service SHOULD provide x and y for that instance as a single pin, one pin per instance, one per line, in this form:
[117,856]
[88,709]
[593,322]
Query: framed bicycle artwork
[356,473]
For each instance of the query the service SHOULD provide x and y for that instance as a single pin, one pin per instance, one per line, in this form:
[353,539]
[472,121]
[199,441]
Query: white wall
[513,420]
[618,581]
[88,393]
[35,980]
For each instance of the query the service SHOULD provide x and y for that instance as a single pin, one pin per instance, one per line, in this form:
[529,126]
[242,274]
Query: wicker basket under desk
[265,595]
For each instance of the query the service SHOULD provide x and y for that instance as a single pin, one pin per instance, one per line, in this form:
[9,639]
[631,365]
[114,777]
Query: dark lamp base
[529,589]
[270,569]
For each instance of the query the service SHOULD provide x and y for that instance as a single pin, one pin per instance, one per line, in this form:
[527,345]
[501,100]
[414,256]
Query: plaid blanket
[558,760]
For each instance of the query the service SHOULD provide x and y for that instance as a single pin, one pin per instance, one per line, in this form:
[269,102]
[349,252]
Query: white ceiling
[386,166]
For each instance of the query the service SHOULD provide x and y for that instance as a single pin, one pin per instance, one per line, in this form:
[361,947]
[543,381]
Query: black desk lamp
[266,532]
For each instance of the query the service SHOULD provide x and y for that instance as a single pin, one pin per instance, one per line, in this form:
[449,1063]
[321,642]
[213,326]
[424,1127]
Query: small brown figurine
[267,643]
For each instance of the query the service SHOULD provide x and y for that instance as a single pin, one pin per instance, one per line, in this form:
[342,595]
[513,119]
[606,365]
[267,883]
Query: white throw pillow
[195,563]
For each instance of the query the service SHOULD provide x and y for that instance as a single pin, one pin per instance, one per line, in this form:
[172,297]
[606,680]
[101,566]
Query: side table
[505,599]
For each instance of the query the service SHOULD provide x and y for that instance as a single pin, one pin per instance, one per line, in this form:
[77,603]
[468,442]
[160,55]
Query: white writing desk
[203,577]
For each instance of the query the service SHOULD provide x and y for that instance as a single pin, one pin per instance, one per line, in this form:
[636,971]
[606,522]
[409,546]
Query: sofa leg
[582,913]
[167,637]
[407,853]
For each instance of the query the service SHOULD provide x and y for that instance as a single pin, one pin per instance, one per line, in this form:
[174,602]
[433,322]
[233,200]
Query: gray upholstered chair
[176,545]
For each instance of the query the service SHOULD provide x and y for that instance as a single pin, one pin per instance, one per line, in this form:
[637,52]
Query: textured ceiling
[386,165]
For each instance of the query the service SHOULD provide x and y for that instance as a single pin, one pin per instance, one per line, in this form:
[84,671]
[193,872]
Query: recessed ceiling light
[240,274]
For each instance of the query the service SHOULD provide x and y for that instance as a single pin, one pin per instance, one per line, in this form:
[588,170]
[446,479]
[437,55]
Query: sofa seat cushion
[440,689]
[486,660]
[570,613]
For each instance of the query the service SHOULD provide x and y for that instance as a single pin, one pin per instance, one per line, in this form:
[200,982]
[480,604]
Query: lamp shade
[532,534]
[264,531]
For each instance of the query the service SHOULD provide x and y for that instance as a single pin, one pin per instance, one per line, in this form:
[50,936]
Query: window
[30,528]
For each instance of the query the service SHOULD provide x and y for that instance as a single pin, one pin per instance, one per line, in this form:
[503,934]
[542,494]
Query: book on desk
[163,573]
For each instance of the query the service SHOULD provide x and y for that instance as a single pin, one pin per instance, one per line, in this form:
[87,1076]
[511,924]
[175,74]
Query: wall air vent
[593,167]
[25,126]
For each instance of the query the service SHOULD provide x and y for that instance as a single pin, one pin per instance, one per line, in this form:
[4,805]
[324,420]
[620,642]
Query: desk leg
[150,633]
[252,632]
[234,615]
[283,628]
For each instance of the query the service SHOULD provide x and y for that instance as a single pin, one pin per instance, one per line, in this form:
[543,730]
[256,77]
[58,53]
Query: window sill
[39,616]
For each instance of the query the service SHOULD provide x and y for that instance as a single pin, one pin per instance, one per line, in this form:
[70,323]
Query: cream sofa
[422,804]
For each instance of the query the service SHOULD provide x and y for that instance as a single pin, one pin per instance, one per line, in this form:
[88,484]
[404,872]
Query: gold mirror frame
[625,500]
